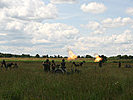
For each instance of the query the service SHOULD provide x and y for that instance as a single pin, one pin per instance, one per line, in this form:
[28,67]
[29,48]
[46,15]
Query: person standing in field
[63,63]
[119,64]
[3,63]
[100,63]
[53,65]
[46,65]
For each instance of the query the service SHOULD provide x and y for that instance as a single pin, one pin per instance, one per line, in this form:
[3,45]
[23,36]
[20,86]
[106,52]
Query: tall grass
[30,82]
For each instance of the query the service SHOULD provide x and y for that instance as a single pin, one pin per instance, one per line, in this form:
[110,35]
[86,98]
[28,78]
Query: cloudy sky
[53,26]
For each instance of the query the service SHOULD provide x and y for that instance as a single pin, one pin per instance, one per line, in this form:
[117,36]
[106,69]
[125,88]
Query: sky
[52,26]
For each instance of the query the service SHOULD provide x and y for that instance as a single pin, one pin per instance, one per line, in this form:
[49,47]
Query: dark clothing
[46,66]
[53,66]
[3,63]
[81,63]
[63,66]
[100,64]
[119,64]
[9,65]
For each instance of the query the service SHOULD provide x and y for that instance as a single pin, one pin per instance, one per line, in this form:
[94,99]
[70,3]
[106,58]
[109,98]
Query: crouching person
[9,65]
[15,65]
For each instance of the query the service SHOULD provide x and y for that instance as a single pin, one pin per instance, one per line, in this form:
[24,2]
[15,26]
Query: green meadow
[30,82]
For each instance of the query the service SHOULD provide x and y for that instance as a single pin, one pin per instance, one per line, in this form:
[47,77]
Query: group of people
[8,65]
[60,68]
[48,66]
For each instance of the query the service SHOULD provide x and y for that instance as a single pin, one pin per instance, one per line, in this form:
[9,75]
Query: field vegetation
[30,82]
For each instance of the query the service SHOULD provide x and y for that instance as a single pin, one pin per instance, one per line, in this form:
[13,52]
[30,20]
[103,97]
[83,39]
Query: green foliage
[88,56]
[122,57]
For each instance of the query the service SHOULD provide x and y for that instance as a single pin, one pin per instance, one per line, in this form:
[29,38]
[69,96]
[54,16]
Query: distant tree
[25,55]
[125,57]
[119,56]
[51,57]
[37,56]
[88,56]
[82,57]
[55,56]
[1,55]
[47,56]
[59,56]
[130,57]
[78,56]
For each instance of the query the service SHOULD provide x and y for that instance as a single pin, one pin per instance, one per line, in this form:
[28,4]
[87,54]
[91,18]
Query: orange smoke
[98,59]
[72,56]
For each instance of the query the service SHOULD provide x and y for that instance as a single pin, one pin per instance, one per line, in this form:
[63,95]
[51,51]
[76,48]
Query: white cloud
[38,49]
[99,31]
[20,25]
[21,30]
[91,25]
[129,11]
[3,42]
[110,45]
[3,34]
[96,27]
[28,9]
[132,26]
[37,32]
[14,25]
[58,32]
[125,37]
[109,23]
[63,1]
[93,7]
[116,22]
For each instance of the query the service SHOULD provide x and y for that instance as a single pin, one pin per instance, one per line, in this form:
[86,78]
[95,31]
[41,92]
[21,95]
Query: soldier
[15,65]
[46,65]
[53,65]
[100,64]
[63,63]
[81,64]
[9,65]
[119,64]
[3,63]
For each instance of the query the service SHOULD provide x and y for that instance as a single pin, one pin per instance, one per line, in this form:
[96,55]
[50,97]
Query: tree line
[7,55]
[122,57]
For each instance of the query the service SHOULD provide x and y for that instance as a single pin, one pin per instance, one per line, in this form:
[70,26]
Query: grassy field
[30,82]
[42,59]
[60,59]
